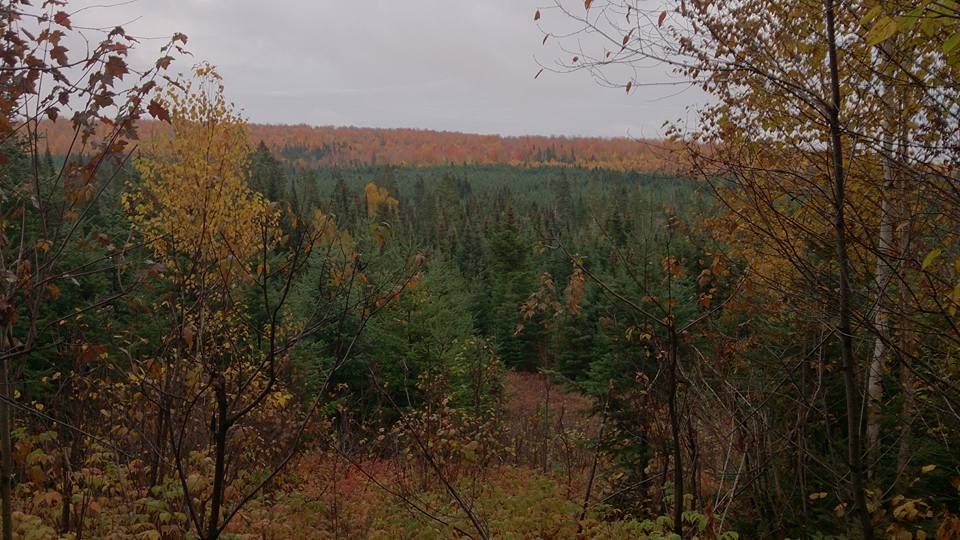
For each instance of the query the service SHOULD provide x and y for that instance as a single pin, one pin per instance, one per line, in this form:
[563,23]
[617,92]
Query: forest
[748,330]
[311,146]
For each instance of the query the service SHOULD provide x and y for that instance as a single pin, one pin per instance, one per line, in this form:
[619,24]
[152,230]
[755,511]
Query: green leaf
[909,20]
[930,258]
[951,43]
[871,15]
[885,28]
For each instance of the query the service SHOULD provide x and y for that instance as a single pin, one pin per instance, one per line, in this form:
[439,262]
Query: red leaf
[59,53]
[118,146]
[626,38]
[629,86]
[164,62]
[575,58]
[158,111]
[52,113]
[116,67]
[538,73]
[62,19]
[103,99]
[663,15]
[89,353]
[586,3]
[536,16]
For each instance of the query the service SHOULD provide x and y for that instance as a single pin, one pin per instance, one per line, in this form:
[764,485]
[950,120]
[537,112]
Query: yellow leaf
[36,474]
[930,258]
[840,510]
[927,468]
[883,30]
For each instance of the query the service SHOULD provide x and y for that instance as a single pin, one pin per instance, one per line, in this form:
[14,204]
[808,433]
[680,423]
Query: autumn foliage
[224,330]
[353,146]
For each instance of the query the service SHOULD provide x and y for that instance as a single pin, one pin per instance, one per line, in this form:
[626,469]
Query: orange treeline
[351,146]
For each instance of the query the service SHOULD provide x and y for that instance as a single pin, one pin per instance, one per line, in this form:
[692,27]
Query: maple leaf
[59,53]
[116,67]
[158,111]
[62,19]
[103,99]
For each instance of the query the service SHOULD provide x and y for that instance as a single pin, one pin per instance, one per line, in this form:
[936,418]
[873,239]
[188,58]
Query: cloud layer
[459,65]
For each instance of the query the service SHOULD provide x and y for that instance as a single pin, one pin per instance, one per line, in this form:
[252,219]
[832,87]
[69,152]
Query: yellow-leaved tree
[194,203]
[226,424]
[215,238]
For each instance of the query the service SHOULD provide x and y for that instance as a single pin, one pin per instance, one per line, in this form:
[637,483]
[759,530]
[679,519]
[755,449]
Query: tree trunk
[220,457]
[6,447]
[881,322]
[886,257]
[844,328]
[677,445]
[908,348]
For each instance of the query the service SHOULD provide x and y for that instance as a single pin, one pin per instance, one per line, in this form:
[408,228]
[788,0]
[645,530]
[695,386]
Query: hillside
[351,146]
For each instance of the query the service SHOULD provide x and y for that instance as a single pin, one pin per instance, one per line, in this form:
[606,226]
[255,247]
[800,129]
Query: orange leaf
[53,290]
[89,353]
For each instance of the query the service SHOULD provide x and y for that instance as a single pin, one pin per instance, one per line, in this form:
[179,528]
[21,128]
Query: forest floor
[335,495]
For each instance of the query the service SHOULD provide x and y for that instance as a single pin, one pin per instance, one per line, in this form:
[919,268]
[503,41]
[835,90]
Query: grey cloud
[462,65]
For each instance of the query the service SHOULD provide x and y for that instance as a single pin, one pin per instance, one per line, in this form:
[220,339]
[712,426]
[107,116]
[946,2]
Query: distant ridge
[356,146]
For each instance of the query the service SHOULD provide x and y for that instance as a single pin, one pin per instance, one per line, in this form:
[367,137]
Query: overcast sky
[460,65]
